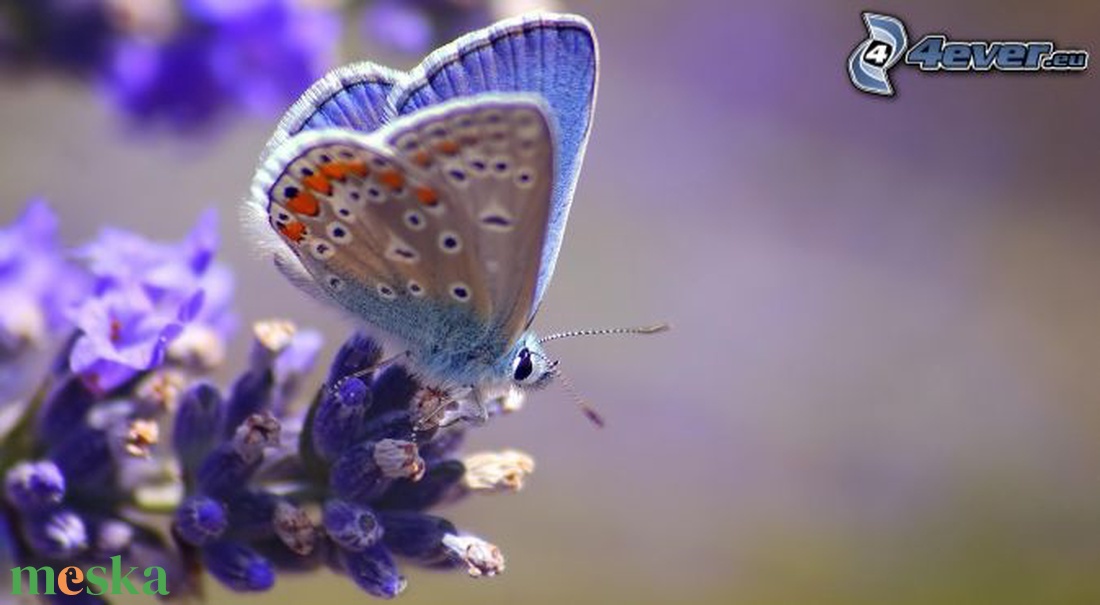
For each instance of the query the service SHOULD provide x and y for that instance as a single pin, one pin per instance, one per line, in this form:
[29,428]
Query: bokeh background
[882,385]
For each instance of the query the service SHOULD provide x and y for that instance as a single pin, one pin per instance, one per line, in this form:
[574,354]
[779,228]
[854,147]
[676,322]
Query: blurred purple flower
[256,55]
[148,294]
[403,26]
[37,284]
[74,35]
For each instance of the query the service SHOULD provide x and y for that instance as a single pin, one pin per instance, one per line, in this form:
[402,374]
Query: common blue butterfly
[432,204]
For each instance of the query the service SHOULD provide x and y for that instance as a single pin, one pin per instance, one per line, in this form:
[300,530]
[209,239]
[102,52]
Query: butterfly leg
[367,370]
[453,406]
[479,405]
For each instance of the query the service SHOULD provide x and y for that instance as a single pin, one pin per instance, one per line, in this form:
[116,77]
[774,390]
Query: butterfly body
[431,205]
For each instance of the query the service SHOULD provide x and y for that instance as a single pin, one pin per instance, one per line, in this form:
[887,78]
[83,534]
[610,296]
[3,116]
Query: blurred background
[882,385]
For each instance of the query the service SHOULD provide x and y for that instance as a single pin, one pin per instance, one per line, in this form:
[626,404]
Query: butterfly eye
[524,366]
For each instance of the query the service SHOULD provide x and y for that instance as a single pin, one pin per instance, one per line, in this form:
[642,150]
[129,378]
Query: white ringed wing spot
[477,164]
[321,249]
[386,292]
[459,291]
[524,177]
[415,220]
[415,288]
[374,194]
[335,283]
[449,242]
[408,142]
[496,219]
[338,232]
[401,252]
[344,212]
[457,175]
[501,165]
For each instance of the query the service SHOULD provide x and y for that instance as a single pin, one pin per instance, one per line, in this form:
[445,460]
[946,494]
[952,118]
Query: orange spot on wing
[335,171]
[294,231]
[447,147]
[358,168]
[427,196]
[304,203]
[422,158]
[319,183]
[392,179]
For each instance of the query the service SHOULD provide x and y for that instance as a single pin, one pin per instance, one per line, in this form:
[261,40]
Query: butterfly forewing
[552,55]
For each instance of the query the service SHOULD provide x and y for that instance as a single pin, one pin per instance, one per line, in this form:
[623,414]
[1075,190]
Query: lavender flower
[147,295]
[257,480]
[37,284]
[188,65]
[255,55]
[355,454]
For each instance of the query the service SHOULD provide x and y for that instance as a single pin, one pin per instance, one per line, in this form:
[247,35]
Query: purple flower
[122,334]
[413,26]
[255,55]
[148,294]
[36,284]
[403,26]
[74,35]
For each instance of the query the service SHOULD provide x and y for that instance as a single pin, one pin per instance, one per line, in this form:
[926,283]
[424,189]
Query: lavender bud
[355,476]
[399,459]
[481,558]
[443,445]
[65,407]
[359,352]
[353,527]
[251,394]
[257,432]
[374,571]
[503,471]
[415,535]
[113,537]
[439,484]
[271,337]
[294,528]
[84,457]
[238,567]
[397,424]
[198,423]
[252,513]
[225,471]
[338,421]
[59,535]
[34,486]
[394,388]
[201,520]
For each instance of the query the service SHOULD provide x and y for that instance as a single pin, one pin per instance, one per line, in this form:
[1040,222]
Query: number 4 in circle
[878,53]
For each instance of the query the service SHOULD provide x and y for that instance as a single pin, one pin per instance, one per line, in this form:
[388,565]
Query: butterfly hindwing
[353,96]
[552,55]
[431,228]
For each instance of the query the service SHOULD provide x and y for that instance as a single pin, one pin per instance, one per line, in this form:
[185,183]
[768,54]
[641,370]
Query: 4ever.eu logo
[887,43]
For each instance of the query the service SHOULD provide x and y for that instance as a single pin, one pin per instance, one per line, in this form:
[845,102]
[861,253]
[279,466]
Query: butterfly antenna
[655,329]
[585,408]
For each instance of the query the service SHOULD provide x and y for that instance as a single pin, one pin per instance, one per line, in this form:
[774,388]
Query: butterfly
[432,204]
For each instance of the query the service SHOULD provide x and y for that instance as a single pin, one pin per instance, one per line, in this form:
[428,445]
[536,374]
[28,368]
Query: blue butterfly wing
[549,54]
[353,96]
